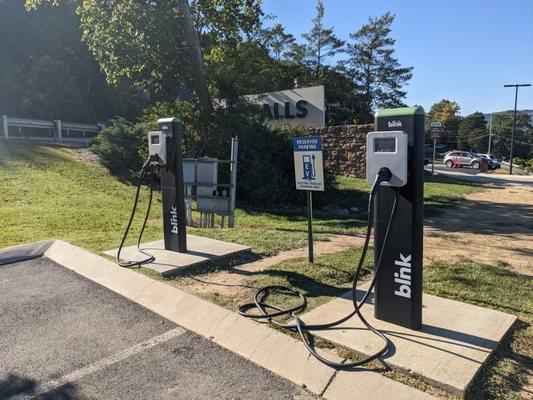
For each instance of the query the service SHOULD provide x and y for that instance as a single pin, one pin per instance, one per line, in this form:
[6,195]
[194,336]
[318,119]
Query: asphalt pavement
[63,336]
[473,175]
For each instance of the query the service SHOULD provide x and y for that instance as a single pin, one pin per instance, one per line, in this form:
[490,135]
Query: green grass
[45,192]
[492,286]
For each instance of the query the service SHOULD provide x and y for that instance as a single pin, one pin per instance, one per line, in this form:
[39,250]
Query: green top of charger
[395,112]
[168,120]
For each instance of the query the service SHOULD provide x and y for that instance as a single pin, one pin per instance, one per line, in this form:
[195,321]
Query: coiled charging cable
[149,258]
[304,329]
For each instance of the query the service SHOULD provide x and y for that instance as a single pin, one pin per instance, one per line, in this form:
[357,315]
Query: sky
[463,51]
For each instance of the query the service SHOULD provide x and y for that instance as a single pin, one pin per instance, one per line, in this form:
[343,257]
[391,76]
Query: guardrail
[56,131]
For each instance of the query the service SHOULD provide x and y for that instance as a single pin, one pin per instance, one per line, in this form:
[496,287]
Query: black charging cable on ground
[150,258]
[304,329]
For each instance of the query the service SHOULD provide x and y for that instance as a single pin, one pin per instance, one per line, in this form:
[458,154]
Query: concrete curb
[24,252]
[256,342]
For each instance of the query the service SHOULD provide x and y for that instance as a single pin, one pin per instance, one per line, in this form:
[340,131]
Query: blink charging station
[172,186]
[398,143]
[164,149]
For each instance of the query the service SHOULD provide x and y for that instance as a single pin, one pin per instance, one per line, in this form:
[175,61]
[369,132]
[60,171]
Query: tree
[48,72]
[159,45]
[374,69]
[473,134]
[446,112]
[321,43]
[279,42]
[502,124]
[196,58]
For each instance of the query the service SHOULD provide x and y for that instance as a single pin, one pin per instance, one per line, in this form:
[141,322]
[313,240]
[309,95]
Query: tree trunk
[197,61]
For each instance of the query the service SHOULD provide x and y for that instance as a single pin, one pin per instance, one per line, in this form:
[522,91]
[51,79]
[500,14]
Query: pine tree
[378,75]
[321,42]
[279,42]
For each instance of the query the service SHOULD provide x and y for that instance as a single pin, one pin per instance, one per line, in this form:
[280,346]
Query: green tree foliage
[378,75]
[321,43]
[502,125]
[473,133]
[447,113]
[47,72]
[279,42]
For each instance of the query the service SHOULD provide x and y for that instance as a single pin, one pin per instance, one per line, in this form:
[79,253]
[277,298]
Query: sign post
[309,175]
[435,130]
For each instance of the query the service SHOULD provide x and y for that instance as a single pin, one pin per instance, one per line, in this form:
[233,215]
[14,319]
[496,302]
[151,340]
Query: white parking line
[98,365]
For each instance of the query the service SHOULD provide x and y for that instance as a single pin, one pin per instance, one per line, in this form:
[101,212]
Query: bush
[122,148]
[525,164]
[265,161]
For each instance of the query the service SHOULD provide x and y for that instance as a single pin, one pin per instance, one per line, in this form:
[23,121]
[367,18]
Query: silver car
[463,158]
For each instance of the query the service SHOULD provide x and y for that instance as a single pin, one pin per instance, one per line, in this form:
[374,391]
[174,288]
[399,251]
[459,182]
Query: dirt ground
[495,225]
[230,283]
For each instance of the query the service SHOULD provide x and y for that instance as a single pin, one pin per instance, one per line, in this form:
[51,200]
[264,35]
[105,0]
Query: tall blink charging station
[398,290]
[172,187]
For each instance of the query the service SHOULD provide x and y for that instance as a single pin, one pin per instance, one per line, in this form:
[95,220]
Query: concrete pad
[454,342]
[345,387]
[200,250]
[273,350]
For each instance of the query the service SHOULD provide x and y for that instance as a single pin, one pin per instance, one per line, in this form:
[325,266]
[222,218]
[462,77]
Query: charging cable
[269,311]
[149,258]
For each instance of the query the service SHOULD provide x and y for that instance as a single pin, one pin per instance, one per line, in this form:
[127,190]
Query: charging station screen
[384,145]
[155,139]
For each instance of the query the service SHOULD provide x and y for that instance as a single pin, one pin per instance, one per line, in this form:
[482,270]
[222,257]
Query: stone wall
[344,148]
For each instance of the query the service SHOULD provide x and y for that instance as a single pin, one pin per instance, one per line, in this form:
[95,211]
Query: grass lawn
[46,192]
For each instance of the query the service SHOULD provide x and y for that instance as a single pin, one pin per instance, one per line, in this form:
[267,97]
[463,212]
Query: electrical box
[207,179]
[387,149]
[157,146]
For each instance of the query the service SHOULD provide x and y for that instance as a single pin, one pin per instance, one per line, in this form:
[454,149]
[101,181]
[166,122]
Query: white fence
[48,131]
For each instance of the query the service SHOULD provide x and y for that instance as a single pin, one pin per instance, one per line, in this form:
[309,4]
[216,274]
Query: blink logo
[403,277]
[395,124]
[174,220]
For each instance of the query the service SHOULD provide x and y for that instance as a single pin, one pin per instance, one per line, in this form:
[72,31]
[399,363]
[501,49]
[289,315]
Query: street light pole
[516,86]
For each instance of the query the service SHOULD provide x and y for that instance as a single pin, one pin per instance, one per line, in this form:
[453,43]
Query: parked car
[493,161]
[464,158]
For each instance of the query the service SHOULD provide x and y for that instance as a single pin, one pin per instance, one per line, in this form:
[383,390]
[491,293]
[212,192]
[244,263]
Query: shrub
[122,148]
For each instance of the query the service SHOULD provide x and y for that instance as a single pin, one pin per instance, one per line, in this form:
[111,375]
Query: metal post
[516,86]
[310,225]
[233,181]
[490,133]
[59,130]
[5,127]
[512,132]
[433,163]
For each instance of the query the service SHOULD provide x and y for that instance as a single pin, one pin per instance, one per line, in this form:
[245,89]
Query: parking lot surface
[65,337]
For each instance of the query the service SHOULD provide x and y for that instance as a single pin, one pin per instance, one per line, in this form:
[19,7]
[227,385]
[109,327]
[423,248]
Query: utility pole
[516,86]
[490,133]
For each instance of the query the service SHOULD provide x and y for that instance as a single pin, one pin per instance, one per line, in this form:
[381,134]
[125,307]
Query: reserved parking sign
[308,163]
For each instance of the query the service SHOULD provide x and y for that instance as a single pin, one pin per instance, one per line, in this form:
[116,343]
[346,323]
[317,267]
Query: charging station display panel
[387,149]
[308,163]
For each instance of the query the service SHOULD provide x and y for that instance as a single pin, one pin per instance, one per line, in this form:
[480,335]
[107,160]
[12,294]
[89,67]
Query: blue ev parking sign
[308,163]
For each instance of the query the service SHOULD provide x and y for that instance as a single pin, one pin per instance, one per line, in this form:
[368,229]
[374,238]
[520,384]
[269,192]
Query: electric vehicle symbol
[309,167]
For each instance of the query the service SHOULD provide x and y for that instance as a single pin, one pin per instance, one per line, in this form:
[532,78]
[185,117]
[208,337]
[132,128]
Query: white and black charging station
[398,292]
